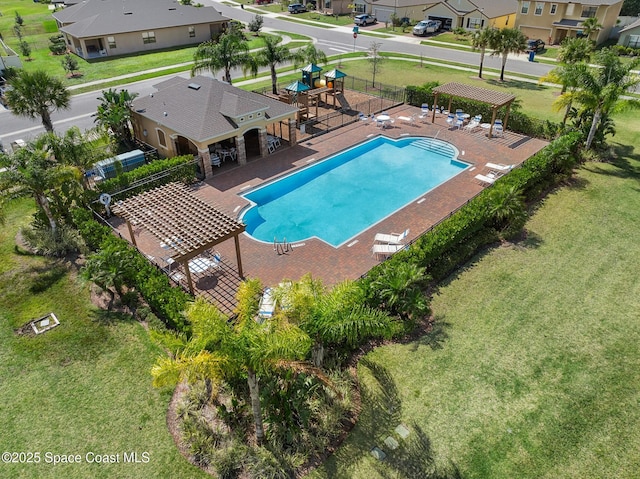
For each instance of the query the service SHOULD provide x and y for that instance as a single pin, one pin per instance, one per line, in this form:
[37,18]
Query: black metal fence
[379,97]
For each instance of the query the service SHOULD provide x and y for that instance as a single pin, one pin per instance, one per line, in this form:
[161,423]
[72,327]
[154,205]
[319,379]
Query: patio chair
[459,122]
[407,119]
[487,179]
[499,166]
[451,119]
[473,124]
[385,250]
[216,161]
[392,238]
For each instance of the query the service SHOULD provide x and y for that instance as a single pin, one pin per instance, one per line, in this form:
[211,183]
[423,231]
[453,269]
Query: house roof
[631,26]
[108,17]
[489,8]
[202,108]
[589,2]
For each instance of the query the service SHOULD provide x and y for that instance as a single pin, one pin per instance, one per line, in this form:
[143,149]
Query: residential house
[630,35]
[553,21]
[473,14]
[100,28]
[208,118]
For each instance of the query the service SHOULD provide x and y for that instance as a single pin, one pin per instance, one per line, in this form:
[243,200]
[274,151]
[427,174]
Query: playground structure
[309,92]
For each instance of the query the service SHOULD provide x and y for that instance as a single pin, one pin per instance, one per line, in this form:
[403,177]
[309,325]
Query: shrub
[457,238]
[179,168]
[43,241]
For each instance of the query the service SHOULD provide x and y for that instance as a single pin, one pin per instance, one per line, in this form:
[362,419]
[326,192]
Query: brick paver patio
[354,259]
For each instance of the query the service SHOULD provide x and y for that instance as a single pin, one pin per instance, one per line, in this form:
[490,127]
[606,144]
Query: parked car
[365,19]
[535,45]
[297,8]
[427,26]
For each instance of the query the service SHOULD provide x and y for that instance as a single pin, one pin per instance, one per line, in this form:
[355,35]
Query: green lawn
[83,387]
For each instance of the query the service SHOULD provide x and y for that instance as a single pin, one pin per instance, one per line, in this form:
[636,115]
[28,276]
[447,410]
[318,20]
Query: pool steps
[436,146]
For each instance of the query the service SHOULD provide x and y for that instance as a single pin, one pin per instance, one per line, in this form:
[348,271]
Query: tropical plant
[272,55]
[33,171]
[114,114]
[399,289]
[575,50]
[589,26]
[507,207]
[603,87]
[221,350]
[230,51]
[335,318]
[311,54]
[36,94]
[569,76]
[506,41]
[481,40]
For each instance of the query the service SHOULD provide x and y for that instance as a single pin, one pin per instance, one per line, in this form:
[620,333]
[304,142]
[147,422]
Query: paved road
[330,40]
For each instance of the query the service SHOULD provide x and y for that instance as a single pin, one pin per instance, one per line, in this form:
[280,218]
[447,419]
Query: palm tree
[399,290]
[230,51]
[506,41]
[568,76]
[114,114]
[219,349]
[575,50]
[338,317]
[481,40]
[310,54]
[272,55]
[33,171]
[37,94]
[507,208]
[602,88]
[589,26]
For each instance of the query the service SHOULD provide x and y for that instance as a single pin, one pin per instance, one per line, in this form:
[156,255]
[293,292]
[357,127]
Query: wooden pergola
[181,221]
[494,98]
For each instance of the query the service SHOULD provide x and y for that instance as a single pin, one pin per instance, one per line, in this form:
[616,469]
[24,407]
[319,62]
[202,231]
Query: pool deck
[355,258]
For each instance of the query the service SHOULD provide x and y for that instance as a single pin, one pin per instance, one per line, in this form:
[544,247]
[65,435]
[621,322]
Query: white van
[426,26]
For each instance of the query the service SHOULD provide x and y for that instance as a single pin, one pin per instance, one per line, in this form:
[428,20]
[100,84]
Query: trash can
[532,55]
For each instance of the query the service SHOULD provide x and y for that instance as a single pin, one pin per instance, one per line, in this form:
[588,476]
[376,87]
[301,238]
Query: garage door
[383,14]
[533,32]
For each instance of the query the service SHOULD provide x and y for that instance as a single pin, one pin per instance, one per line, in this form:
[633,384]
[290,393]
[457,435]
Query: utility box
[129,161]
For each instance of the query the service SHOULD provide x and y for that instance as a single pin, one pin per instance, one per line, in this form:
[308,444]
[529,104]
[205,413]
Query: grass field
[532,369]
[83,387]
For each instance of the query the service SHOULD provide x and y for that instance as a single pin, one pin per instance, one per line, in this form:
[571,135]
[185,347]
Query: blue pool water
[339,197]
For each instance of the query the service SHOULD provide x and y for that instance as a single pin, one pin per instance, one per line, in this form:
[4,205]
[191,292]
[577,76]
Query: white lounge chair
[407,119]
[393,238]
[267,305]
[472,125]
[384,250]
[486,179]
[499,166]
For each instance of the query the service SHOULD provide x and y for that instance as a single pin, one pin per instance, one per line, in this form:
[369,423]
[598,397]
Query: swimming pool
[341,196]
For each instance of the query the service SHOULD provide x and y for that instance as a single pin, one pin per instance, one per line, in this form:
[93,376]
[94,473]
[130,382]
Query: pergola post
[506,116]
[435,103]
[238,256]
[185,265]
[133,238]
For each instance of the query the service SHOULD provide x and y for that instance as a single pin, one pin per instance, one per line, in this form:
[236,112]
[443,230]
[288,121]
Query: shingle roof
[631,26]
[490,8]
[109,17]
[207,112]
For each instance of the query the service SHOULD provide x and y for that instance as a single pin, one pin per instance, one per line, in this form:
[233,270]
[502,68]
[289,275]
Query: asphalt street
[330,40]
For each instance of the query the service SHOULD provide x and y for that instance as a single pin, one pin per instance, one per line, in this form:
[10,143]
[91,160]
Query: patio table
[200,265]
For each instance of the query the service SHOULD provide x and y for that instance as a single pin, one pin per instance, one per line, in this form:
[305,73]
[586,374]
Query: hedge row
[166,302]
[479,222]
[518,122]
[158,172]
